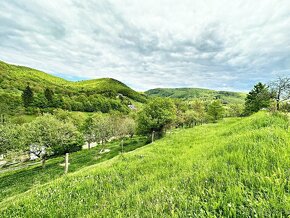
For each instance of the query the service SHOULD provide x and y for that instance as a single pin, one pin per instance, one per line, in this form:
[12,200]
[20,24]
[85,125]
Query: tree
[88,131]
[48,95]
[181,108]
[10,138]
[259,97]
[235,110]
[198,107]
[280,89]
[156,116]
[190,118]
[27,96]
[125,126]
[215,110]
[47,135]
[77,118]
[103,128]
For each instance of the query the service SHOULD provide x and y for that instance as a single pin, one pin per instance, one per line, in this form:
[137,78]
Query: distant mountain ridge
[16,78]
[97,95]
[200,93]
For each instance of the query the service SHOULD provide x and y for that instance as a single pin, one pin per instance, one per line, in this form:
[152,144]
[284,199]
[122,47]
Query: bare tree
[281,90]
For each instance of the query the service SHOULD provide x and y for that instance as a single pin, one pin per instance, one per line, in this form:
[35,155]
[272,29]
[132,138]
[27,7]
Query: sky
[222,45]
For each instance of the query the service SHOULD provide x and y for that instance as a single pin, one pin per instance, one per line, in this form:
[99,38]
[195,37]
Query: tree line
[63,132]
[48,100]
[53,135]
[274,96]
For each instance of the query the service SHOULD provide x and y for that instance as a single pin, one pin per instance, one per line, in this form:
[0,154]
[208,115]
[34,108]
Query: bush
[156,116]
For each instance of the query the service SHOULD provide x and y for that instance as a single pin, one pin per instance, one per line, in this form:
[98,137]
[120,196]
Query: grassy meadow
[13,182]
[239,167]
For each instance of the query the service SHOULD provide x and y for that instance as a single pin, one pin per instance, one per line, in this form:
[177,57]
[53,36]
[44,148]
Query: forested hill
[192,93]
[69,95]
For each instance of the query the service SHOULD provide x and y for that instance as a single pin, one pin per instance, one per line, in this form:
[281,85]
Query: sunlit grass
[237,168]
[18,181]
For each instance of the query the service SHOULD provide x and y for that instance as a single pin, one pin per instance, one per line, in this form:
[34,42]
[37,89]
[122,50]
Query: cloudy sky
[224,45]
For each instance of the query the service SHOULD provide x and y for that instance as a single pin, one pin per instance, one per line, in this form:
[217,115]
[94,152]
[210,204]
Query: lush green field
[21,180]
[197,93]
[237,168]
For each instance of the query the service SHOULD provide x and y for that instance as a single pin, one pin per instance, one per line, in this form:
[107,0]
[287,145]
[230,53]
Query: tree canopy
[27,96]
[215,110]
[156,116]
[259,97]
[47,136]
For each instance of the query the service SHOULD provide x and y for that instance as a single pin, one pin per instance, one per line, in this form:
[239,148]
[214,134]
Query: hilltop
[14,79]
[193,93]
[238,167]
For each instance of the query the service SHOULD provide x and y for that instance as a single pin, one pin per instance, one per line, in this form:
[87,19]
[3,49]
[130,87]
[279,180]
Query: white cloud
[146,44]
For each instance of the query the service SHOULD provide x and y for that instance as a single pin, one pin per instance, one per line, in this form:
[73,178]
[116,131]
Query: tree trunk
[278,104]
[103,146]
[122,144]
[66,163]
[43,162]
[89,145]
[152,136]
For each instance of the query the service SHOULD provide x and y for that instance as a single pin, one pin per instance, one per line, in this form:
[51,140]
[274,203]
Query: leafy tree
[88,131]
[199,108]
[47,135]
[10,103]
[125,127]
[259,97]
[181,108]
[281,90]
[156,116]
[40,101]
[190,118]
[235,110]
[103,128]
[77,118]
[27,96]
[215,110]
[10,138]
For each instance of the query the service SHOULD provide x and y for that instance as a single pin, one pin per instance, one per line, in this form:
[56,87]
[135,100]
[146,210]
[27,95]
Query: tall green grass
[14,182]
[237,168]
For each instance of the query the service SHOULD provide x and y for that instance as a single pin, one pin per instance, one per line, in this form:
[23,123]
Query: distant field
[238,167]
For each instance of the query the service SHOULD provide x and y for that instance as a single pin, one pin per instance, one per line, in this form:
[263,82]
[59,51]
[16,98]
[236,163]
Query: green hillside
[236,168]
[193,93]
[14,79]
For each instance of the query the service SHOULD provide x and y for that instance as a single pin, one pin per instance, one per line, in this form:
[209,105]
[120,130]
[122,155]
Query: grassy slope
[238,167]
[193,93]
[19,181]
[15,78]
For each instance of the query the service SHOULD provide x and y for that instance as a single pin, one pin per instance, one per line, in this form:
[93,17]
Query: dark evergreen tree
[27,97]
[48,95]
[259,97]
